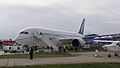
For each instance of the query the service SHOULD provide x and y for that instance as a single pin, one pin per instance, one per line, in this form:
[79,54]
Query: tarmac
[82,57]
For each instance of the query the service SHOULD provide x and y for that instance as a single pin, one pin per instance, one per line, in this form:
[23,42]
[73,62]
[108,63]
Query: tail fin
[81,31]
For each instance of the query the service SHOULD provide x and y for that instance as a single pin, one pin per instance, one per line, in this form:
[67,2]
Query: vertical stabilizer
[81,31]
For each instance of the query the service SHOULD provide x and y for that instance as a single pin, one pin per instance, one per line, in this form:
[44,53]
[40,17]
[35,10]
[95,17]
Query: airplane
[113,47]
[51,37]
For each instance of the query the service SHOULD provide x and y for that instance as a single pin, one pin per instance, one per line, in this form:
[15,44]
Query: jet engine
[77,43]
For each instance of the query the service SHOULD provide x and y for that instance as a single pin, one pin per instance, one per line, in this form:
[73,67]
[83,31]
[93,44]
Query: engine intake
[75,43]
[78,42]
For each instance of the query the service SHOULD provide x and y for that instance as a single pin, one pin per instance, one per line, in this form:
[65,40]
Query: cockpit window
[26,32]
[23,32]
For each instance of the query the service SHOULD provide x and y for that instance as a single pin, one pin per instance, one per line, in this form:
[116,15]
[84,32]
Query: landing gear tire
[109,55]
[115,54]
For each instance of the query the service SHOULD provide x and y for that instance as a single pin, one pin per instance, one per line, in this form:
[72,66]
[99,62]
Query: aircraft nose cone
[16,39]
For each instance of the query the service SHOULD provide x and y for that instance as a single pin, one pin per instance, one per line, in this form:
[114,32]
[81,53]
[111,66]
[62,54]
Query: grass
[84,65]
[36,55]
[93,48]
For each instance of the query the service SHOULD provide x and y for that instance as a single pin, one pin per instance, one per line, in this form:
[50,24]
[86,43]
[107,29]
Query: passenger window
[21,32]
[26,32]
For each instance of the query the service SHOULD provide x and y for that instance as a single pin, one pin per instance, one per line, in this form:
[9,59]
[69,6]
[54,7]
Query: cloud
[30,3]
[59,14]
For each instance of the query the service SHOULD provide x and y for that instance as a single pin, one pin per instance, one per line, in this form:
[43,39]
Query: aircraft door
[37,34]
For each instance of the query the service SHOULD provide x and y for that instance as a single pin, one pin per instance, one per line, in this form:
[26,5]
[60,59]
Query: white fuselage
[28,36]
[114,47]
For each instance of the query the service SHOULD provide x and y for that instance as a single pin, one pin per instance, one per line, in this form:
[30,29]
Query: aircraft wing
[95,35]
[102,42]
[105,41]
[68,40]
[64,40]
[110,35]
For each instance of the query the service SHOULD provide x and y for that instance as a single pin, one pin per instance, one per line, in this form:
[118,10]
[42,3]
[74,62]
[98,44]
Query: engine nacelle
[77,43]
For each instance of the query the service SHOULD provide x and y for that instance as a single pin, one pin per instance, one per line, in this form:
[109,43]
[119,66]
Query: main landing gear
[109,55]
[115,54]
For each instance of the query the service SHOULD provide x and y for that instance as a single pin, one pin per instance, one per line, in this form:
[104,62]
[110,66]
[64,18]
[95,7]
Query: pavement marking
[10,62]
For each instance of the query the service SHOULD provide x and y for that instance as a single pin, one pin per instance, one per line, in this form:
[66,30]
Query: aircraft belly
[40,43]
[36,42]
[114,49]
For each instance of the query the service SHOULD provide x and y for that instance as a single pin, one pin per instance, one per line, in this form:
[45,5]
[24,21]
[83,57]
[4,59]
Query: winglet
[81,31]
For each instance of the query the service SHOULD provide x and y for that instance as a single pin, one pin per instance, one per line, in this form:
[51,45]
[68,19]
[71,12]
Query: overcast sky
[102,16]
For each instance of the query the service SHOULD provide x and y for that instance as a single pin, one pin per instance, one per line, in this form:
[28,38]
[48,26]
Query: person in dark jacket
[51,48]
[31,52]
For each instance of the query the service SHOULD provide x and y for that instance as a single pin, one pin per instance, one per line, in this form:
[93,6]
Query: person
[60,49]
[35,48]
[96,55]
[51,49]
[31,53]
[64,48]
[76,49]
[48,48]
